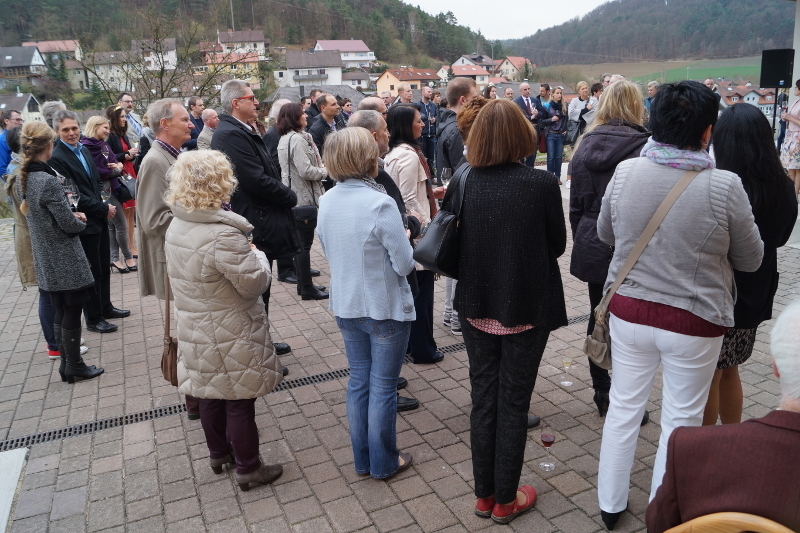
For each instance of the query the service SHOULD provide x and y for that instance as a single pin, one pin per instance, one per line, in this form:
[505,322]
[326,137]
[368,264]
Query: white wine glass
[72,193]
[446,176]
[105,151]
[567,362]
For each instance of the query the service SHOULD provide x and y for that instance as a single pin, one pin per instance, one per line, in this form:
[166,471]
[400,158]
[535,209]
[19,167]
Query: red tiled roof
[517,61]
[47,47]
[469,70]
[408,74]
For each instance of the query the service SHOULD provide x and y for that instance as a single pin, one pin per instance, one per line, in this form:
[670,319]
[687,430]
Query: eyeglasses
[252,98]
[126,101]
[18,120]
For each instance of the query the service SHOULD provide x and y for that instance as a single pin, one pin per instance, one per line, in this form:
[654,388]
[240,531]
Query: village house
[479,60]
[354,52]
[236,66]
[763,99]
[444,74]
[243,42]
[109,70]
[21,65]
[511,67]
[55,50]
[156,56]
[25,103]
[479,74]
[310,68]
[357,79]
[416,77]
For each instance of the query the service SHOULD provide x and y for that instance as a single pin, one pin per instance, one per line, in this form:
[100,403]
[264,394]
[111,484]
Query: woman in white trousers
[676,304]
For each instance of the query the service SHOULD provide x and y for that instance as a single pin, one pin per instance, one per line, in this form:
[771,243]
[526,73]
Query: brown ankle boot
[264,474]
[216,464]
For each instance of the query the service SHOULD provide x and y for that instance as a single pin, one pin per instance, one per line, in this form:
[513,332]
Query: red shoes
[505,513]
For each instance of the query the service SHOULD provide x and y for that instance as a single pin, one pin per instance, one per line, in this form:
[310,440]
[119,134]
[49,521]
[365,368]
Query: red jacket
[752,467]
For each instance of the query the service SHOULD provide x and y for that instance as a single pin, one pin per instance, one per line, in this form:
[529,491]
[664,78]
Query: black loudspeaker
[777,67]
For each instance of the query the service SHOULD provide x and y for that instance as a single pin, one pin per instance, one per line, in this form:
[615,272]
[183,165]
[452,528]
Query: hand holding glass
[446,176]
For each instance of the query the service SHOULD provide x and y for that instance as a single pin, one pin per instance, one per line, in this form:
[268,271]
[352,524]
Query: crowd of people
[219,199]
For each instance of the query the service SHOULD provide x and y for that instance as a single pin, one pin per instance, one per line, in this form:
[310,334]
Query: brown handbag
[169,357]
[597,346]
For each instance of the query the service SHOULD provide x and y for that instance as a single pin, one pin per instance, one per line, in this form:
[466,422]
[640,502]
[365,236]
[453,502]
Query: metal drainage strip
[169,410]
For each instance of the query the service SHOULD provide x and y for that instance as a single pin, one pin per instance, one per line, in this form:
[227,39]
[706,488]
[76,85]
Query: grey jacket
[690,260]
[304,168]
[57,252]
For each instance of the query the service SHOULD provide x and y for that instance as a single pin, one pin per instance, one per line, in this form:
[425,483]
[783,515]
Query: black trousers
[98,252]
[601,381]
[502,372]
[285,267]
[420,343]
[302,261]
[428,145]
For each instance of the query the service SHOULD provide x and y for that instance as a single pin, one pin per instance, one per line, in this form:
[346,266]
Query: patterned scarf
[434,205]
[372,184]
[672,156]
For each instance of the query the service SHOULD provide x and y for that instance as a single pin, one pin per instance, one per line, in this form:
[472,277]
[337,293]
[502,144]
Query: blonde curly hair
[200,179]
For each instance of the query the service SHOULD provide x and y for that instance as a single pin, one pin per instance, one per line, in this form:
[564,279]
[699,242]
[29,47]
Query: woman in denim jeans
[370,256]
[556,128]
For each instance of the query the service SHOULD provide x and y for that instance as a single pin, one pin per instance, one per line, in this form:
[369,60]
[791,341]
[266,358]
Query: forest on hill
[395,31]
[641,30]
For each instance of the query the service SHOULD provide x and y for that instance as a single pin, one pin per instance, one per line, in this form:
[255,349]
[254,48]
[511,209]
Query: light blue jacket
[363,238]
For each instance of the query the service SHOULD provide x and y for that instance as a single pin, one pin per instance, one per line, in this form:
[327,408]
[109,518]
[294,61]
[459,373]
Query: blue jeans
[375,350]
[555,150]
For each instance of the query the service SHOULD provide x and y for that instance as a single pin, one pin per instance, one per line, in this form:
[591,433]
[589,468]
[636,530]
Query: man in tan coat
[210,123]
[171,124]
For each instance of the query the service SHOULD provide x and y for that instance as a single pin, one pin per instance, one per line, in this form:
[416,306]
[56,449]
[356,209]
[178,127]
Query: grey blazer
[58,255]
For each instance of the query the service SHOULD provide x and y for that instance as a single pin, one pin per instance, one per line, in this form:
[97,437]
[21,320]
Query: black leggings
[67,316]
[601,381]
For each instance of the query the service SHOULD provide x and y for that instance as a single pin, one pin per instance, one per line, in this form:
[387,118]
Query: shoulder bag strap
[461,183]
[166,303]
[647,234]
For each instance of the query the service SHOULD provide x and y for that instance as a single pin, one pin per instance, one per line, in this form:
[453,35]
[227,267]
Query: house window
[280,74]
[296,72]
[413,85]
[322,71]
[391,87]
[78,72]
[735,99]
[233,67]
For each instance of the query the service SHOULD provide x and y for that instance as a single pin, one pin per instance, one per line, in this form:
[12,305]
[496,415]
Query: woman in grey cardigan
[676,304]
[370,256]
[62,269]
[303,171]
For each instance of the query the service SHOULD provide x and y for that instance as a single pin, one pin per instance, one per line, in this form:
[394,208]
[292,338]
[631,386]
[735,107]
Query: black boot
[75,367]
[601,400]
[302,265]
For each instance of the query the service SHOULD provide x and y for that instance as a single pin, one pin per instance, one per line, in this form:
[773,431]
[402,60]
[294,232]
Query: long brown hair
[500,134]
[35,139]
[114,114]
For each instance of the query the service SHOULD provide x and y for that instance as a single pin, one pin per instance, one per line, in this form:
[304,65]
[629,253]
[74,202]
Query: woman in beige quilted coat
[225,353]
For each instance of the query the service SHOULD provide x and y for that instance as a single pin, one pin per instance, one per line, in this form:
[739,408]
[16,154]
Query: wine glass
[567,362]
[105,151]
[71,191]
[249,236]
[136,144]
[547,464]
[105,194]
[446,176]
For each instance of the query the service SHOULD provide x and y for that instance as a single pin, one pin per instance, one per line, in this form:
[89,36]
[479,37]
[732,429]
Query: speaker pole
[774,112]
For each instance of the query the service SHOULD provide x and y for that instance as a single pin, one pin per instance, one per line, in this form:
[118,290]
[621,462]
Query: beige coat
[22,236]
[307,173]
[204,139]
[224,347]
[153,217]
[405,168]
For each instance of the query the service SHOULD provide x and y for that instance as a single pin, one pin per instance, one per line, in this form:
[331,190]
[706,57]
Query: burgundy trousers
[192,405]
[230,427]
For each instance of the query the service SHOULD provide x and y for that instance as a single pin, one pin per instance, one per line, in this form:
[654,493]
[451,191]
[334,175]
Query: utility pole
[233,24]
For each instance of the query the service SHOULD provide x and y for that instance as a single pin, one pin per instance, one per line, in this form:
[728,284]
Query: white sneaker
[82,341]
[84,349]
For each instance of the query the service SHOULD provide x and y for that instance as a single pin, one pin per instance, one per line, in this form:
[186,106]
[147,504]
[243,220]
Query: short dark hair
[289,118]
[13,138]
[6,115]
[304,99]
[545,85]
[596,87]
[797,84]
[681,112]
[323,100]
[313,92]
[122,95]
[459,87]
[400,121]
[193,100]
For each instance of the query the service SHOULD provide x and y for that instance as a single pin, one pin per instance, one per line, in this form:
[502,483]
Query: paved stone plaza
[153,476]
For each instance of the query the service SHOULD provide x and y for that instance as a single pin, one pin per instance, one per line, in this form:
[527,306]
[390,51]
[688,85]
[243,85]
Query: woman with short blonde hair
[504,334]
[225,354]
[369,254]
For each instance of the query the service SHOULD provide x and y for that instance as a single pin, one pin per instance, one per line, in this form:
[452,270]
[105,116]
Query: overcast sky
[510,20]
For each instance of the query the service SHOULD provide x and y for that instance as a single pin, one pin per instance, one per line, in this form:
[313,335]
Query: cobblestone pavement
[153,476]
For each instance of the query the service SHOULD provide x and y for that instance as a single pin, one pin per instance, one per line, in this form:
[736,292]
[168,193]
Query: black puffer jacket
[592,166]
[450,148]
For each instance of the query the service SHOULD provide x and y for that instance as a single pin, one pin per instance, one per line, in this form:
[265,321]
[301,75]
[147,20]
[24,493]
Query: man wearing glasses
[11,119]
[261,196]
[134,121]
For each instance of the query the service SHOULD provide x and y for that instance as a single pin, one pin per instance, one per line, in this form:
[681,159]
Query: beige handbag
[598,345]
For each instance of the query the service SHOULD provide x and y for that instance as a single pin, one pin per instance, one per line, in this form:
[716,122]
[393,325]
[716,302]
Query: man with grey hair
[170,122]
[750,467]
[74,161]
[210,122]
[387,98]
[605,79]
[49,109]
[261,196]
[652,89]
[616,77]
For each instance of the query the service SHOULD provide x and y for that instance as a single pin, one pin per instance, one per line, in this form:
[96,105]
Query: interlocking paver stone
[153,476]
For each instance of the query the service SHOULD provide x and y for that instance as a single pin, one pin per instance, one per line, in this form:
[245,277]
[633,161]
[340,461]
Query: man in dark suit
[261,196]
[750,467]
[533,110]
[74,161]
[326,122]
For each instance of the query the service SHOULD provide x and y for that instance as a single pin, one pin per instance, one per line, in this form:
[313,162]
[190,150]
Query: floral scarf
[672,156]
[434,205]
[372,184]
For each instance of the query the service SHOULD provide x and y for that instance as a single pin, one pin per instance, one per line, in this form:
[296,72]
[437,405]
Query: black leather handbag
[440,245]
[305,216]
[573,131]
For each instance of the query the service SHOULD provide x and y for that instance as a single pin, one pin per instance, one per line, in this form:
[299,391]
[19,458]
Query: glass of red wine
[547,440]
